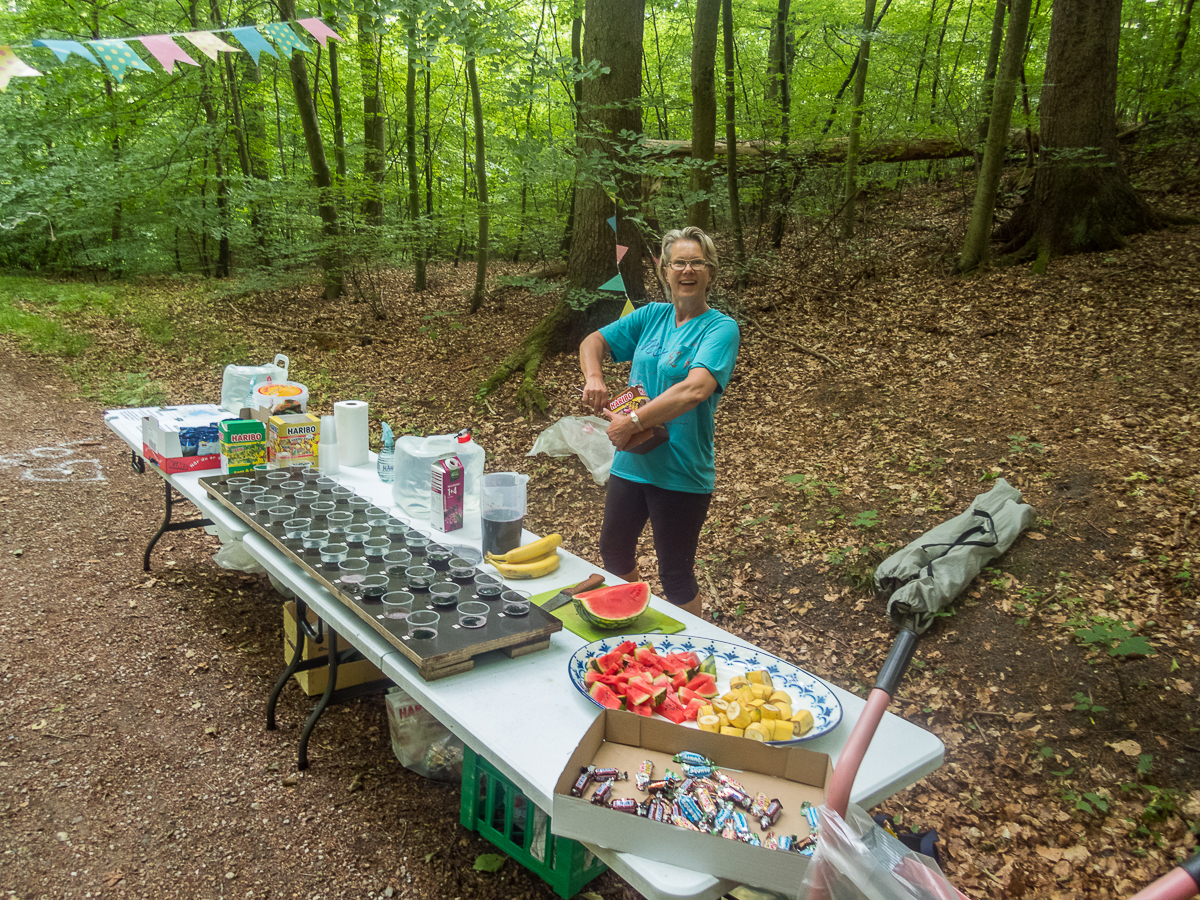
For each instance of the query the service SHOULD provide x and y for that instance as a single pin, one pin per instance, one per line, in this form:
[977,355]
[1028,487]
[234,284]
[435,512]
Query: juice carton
[630,400]
[447,494]
[243,445]
[292,439]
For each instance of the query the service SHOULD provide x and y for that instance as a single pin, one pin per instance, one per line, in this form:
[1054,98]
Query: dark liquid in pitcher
[502,530]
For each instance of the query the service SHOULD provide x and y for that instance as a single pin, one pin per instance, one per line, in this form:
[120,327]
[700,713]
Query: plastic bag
[238,382]
[584,436]
[421,743]
[233,555]
[855,858]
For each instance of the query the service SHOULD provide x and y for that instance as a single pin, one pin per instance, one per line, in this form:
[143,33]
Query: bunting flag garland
[283,36]
[612,223]
[63,49]
[117,56]
[621,251]
[616,283]
[319,30]
[12,67]
[627,310]
[254,42]
[209,44]
[166,51]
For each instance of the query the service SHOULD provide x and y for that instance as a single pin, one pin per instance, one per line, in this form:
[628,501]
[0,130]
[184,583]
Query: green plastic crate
[492,806]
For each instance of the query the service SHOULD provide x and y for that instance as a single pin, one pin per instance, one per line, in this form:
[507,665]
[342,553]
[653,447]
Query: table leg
[168,525]
[330,687]
[292,667]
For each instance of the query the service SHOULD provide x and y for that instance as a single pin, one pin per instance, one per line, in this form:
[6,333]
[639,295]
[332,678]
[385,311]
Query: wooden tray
[453,650]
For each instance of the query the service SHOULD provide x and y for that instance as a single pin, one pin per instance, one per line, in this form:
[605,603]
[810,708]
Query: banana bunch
[532,560]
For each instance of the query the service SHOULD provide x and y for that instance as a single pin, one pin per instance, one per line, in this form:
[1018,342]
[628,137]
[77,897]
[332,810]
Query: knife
[567,594]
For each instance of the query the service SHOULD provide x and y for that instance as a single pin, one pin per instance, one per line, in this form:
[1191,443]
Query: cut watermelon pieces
[605,696]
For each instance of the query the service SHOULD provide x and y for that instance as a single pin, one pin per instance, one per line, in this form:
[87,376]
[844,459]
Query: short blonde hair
[690,233]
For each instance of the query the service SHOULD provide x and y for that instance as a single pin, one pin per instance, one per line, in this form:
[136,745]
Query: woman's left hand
[621,429]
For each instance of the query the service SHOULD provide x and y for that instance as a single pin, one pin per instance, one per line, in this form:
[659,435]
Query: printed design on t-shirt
[677,359]
[653,347]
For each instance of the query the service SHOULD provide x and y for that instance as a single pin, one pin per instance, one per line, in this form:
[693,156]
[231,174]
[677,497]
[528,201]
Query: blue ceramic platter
[808,691]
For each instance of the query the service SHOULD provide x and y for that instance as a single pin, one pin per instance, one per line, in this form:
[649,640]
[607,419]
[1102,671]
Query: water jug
[503,511]
[414,461]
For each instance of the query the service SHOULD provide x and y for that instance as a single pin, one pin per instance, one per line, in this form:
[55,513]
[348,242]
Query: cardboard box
[296,436]
[243,445]
[623,739]
[183,438]
[313,681]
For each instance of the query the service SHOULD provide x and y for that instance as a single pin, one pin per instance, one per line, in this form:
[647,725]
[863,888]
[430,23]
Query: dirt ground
[135,761]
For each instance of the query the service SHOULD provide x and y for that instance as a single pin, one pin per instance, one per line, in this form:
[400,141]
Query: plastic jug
[503,511]
[414,461]
[238,382]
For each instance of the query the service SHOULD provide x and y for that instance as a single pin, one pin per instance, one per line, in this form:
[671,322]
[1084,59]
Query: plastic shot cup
[264,502]
[420,577]
[278,477]
[332,554]
[461,571]
[417,543]
[294,528]
[342,495]
[357,534]
[249,493]
[235,484]
[439,557]
[423,625]
[373,587]
[470,554]
[313,541]
[359,504]
[262,469]
[396,561]
[376,516]
[322,508]
[351,572]
[325,484]
[310,473]
[290,489]
[488,587]
[338,522]
[376,548]
[397,605]
[515,603]
[473,614]
[305,498]
[277,515]
[443,593]
[395,528]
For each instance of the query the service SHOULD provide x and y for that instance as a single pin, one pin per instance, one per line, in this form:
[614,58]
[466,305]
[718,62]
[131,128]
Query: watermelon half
[613,607]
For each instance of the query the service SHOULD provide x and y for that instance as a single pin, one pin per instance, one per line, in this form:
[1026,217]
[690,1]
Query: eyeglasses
[680,264]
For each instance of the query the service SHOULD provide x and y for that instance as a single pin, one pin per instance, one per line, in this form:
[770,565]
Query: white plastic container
[415,457]
[238,382]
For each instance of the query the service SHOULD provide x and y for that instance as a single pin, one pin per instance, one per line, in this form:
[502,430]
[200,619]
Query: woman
[683,354]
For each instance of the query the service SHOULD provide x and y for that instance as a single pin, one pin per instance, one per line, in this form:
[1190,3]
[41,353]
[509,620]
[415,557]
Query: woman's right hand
[595,394]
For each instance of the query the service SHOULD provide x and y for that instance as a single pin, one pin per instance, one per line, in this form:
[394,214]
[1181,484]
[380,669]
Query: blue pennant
[612,223]
[254,42]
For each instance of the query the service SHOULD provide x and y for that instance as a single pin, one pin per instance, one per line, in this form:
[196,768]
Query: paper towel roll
[350,419]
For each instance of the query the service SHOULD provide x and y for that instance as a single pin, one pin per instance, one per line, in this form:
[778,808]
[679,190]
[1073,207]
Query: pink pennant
[11,66]
[209,44]
[621,251]
[319,30]
[166,51]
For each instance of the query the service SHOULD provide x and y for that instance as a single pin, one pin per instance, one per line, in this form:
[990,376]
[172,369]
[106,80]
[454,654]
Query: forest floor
[134,761]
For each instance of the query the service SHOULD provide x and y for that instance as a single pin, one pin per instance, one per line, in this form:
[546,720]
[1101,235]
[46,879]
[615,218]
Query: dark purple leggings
[676,518]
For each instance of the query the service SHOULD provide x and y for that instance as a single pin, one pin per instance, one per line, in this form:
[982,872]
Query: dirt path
[134,761]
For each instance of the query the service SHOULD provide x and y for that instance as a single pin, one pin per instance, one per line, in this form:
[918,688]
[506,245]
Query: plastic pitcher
[503,507]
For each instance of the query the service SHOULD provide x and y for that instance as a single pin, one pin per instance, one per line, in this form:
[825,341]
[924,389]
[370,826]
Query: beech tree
[704,110]
[1081,198]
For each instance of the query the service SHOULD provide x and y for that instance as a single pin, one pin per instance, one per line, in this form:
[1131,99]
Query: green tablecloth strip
[650,622]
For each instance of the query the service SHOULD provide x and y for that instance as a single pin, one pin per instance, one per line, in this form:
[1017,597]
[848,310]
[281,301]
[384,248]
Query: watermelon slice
[673,710]
[605,696]
[704,685]
[613,607]
[636,694]
[642,709]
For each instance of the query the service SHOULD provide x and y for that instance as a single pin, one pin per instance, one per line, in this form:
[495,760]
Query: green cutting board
[650,622]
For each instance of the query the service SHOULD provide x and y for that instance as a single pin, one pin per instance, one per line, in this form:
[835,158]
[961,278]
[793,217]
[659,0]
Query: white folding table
[523,715]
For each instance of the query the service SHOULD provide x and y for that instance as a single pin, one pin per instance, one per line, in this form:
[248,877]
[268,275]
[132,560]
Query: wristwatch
[636,420]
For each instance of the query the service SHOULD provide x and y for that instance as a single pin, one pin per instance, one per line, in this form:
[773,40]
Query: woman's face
[693,281]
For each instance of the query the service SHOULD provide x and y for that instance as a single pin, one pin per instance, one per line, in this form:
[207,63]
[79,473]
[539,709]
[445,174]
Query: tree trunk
[860,89]
[979,229]
[1081,198]
[704,110]
[481,190]
[850,77]
[576,112]
[331,263]
[989,72]
[339,128]
[779,94]
[1181,36]
[731,177]
[410,157]
[374,162]
[212,119]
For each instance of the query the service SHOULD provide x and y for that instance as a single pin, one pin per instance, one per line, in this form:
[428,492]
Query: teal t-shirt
[662,356]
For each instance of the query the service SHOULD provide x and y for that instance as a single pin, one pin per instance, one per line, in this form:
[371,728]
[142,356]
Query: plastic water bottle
[385,465]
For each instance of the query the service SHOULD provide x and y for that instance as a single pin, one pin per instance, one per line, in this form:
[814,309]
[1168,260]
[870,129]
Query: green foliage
[1117,639]
[50,318]
[133,389]
[489,862]
[1083,703]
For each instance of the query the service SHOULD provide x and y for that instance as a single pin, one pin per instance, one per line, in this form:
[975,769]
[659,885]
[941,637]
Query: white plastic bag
[421,743]
[233,555]
[855,859]
[238,382]
[584,436]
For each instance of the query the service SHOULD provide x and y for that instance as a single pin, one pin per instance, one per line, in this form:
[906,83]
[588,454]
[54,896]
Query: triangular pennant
[281,33]
[117,57]
[63,49]
[209,44]
[319,30]
[254,42]
[12,67]
[612,223]
[616,283]
[166,51]
[628,308]
[621,251]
